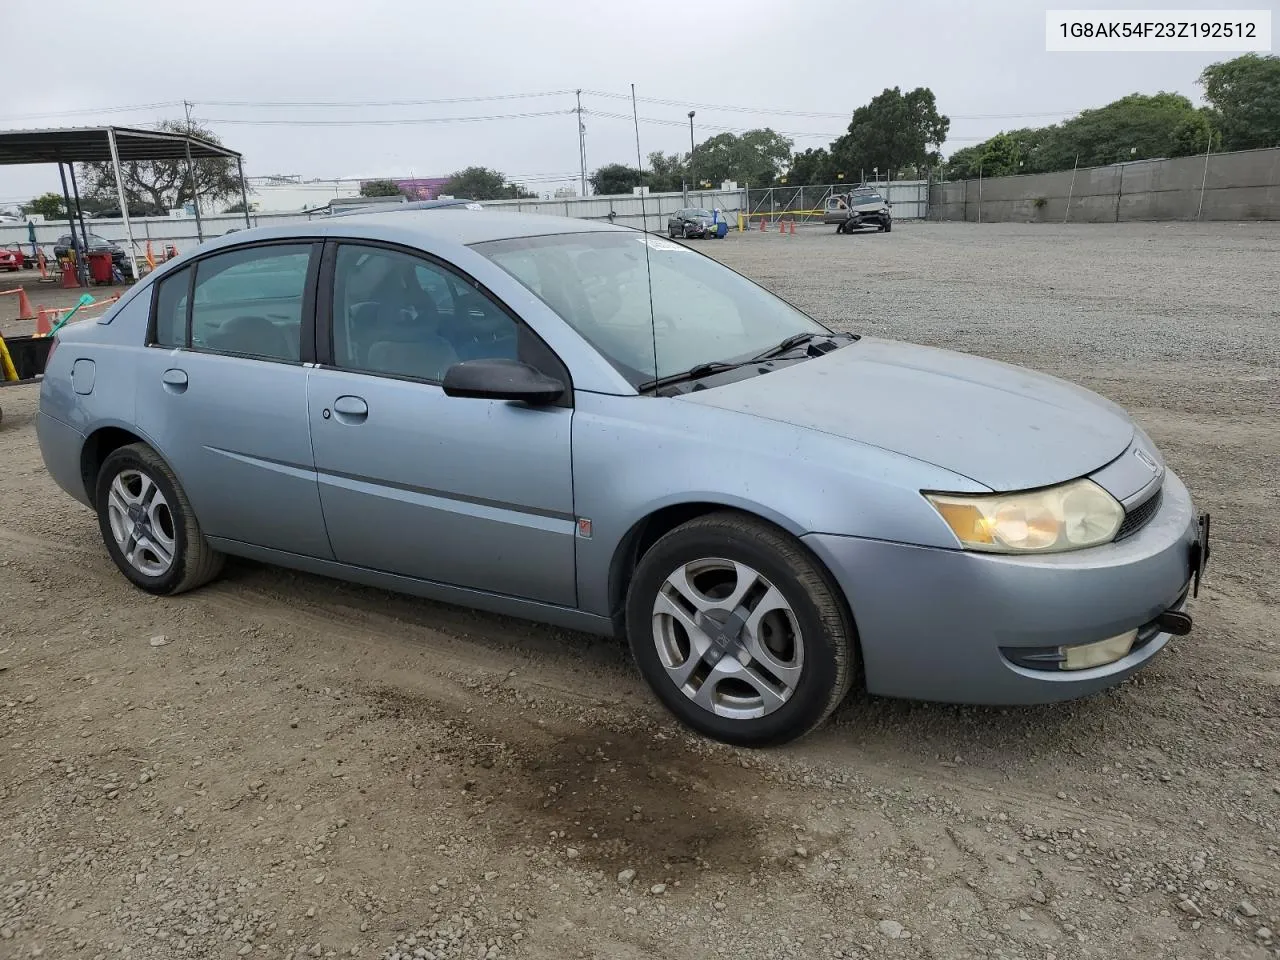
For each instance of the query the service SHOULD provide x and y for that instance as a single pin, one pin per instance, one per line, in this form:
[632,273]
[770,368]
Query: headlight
[1068,517]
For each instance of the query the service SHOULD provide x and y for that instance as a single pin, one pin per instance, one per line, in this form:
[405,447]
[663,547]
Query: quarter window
[171,309]
[400,315]
[248,302]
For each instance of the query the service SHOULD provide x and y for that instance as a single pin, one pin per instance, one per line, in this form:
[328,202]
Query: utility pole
[691,171]
[191,172]
[582,147]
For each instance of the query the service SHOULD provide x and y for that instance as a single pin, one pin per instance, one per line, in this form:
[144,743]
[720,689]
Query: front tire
[739,631]
[888,226]
[148,525]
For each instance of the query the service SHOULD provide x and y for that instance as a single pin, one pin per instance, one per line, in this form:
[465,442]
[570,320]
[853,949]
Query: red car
[12,258]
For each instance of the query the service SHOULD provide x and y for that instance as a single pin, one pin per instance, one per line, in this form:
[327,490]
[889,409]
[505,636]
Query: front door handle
[351,409]
[175,381]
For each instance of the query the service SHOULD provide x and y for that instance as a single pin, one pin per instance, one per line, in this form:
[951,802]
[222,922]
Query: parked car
[595,427]
[12,258]
[119,259]
[861,207]
[692,222]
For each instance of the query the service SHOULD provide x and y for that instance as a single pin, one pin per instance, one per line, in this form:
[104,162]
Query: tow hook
[1175,622]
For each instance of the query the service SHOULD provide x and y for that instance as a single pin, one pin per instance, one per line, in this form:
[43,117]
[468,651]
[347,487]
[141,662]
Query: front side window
[248,302]
[400,315]
[599,284]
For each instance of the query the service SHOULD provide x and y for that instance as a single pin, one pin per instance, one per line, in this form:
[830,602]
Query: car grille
[1140,516]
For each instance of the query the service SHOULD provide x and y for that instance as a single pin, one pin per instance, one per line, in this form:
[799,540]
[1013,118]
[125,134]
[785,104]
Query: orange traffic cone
[44,322]
[764,225]
[793,228]
[24,306]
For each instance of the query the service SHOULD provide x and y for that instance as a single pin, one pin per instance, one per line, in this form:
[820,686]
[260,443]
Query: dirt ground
[282,766]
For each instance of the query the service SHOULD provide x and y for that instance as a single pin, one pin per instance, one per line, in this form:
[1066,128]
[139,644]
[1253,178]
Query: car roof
[457,226]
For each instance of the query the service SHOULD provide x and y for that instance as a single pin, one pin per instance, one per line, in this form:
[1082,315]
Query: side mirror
[501,380]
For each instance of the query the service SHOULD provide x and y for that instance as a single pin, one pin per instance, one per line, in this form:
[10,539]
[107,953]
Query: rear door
[466,492]
[223,396]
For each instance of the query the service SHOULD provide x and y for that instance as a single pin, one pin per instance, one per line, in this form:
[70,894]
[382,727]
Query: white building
[292,194]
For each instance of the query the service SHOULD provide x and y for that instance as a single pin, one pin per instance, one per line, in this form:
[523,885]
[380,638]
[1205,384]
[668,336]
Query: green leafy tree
[152,187]
[1001,156]
[614,178]
[1245,94]
[893,131]
[667,173]
[48,205]
[756,157]
[481,183]
[380,188]
[811,166]
[1136,127]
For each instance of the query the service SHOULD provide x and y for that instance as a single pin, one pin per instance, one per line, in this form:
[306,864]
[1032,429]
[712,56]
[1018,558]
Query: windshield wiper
[794,341]
[695,372]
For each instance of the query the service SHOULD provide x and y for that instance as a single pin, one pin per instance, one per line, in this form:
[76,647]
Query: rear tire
[148,525]
[728,572]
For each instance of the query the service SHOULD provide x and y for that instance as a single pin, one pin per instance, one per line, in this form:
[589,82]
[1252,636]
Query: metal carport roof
[93,144]
[114,145]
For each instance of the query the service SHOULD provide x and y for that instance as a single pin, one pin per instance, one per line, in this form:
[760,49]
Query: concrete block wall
[1237,186]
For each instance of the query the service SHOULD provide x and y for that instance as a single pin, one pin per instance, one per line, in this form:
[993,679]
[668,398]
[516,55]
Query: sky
[255,71]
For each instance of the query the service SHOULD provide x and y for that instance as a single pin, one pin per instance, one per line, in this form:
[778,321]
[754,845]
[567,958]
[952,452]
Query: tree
[811,166]
[48,205]
[667,172]
[481,183]
[1000,156]
[894,130]
[756,157]
[238,207]
[380,188]
[1136,127]
[614,178]
[156,186]
[1245,94]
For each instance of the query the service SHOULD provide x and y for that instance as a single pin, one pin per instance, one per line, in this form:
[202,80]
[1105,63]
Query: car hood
[1005,427]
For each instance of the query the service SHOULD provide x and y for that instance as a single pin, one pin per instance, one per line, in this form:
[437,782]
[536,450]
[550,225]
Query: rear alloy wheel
[148,525]
[739,631]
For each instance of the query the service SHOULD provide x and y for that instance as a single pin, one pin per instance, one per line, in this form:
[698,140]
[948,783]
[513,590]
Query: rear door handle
[175,381]
[351,409]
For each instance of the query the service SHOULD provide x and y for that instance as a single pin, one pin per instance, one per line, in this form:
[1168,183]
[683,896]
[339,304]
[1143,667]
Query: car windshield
[700,213]
[866,198]
[701,310]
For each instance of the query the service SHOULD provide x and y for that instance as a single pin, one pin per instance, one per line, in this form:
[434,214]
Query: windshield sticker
[658,243]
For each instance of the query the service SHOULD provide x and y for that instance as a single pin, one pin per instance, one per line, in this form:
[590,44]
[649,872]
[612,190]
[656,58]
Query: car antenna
[644,220]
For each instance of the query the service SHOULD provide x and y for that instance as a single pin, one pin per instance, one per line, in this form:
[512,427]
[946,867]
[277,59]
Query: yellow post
[7,369]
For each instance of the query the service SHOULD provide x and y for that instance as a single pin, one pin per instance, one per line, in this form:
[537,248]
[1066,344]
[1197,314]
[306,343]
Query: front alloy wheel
[739,630]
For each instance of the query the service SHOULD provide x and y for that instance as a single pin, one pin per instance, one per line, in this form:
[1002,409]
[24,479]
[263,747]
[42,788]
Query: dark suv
[119,259]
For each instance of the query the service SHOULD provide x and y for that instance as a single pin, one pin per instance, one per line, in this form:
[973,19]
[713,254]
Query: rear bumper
[942,624]
[61,446]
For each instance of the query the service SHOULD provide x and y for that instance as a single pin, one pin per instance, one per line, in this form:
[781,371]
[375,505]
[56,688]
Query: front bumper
[942,624]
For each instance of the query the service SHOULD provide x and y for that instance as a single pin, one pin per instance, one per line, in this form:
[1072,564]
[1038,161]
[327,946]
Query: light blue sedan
[590,426]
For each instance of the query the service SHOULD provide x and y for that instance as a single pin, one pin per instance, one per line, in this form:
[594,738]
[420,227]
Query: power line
[385,121]
[782,112]
[132,108]
[380,103]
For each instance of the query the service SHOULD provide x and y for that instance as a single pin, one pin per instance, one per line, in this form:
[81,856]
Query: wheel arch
[662,519]
[100,443]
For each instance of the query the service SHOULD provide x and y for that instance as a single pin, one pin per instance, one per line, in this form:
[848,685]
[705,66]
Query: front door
[471,493]
[222,393]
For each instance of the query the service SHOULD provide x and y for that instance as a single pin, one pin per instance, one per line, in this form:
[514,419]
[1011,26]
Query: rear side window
[171,309]
[248,302]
